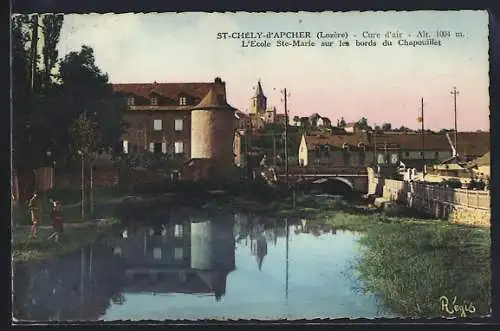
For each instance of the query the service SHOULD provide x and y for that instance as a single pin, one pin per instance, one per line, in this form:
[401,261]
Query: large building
[359,149]
[179,122]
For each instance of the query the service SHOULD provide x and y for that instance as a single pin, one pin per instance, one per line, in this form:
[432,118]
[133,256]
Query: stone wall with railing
[457,205]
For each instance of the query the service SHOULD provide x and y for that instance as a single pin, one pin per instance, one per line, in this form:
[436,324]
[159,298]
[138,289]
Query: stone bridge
[356,179]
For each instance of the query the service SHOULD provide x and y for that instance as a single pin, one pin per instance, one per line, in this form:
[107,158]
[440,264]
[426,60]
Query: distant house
[365,148]
[316,120]
[243,119]
[481,166]
[352,127]
[341,150]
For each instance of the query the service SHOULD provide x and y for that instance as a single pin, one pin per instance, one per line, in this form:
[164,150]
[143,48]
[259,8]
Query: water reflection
[194,265]
[78,286]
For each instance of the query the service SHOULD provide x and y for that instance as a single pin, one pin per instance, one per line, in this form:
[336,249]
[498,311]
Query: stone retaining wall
[440,202]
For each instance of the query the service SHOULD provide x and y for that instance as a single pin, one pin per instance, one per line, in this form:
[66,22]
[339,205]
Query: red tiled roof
[336,140]
[469,143]
[171,90]
[213,100]
[473,143]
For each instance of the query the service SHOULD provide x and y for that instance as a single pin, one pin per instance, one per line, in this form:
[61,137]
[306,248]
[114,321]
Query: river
[184,263]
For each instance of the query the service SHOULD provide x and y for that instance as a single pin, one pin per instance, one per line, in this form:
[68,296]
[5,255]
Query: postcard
[250,166]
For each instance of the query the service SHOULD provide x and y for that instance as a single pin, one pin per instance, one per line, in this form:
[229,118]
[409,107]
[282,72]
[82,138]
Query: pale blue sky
[383,84]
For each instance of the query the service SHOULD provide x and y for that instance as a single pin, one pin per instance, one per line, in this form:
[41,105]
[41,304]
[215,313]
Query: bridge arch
[332,185]
[343,180]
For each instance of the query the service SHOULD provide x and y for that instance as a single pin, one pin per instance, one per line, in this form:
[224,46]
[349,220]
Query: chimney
[218,80]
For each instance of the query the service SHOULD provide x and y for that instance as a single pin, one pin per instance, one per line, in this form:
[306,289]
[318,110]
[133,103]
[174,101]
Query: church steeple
[259,100]
[258,90]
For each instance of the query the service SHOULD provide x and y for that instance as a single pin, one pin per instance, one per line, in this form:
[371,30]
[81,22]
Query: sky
[383,84]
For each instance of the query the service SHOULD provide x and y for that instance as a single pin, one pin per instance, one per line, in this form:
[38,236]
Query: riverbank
[78,231]
[75,236]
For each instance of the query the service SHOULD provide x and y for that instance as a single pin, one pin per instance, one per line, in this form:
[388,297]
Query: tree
[296,120]
[341,123]
[51,31]
[86,88]
[86,139]
[363,124]
[21,133]
[34,105]
[386,127]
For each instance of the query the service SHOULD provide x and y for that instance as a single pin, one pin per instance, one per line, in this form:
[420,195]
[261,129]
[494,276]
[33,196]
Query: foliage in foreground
[411,266]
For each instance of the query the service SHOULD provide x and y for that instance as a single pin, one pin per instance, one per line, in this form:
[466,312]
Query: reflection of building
[179,257]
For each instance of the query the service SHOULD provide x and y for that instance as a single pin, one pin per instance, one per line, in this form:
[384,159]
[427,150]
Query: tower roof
[213,100]
[258,90]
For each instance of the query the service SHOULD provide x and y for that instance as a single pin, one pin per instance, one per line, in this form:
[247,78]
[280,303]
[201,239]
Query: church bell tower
[259,101]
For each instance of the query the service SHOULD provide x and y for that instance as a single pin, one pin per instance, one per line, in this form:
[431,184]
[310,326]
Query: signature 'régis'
[461,309]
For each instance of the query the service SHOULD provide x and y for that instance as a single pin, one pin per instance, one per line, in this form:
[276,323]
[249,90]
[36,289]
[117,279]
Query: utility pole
[287,259]
[91,183]
[286,136]
[455,92]
[274,149]
[423,135]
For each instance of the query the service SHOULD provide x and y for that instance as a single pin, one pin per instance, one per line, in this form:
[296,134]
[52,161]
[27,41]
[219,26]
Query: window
[164,147]
[154,100]
[179,230]
[182,101]
[178,124]
[347,159]
[407,154]
[179,147]
[131,101]
[362,158]
[157,125]
[125,146]
[151,147]
[178,253]
[157,149]
[157,253]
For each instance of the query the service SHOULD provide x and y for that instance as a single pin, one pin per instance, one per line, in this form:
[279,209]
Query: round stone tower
[213,126]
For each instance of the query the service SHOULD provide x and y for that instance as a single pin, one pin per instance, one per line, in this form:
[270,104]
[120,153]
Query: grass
[24,248]
[411,265]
